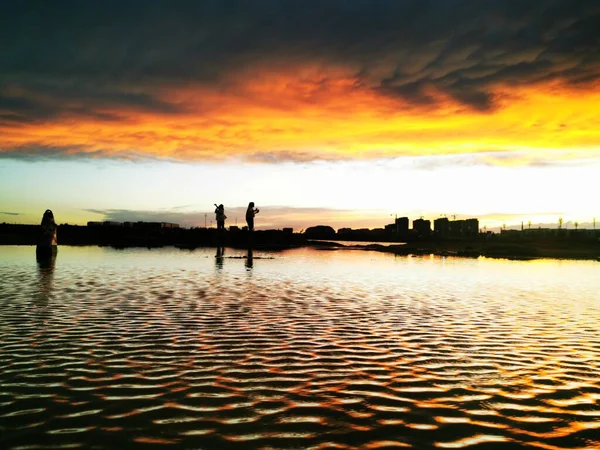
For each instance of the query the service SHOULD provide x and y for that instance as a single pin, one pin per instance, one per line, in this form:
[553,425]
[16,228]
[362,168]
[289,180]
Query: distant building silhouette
[401,225]
[422,227]
[441,227]
[457,227]
[471,227]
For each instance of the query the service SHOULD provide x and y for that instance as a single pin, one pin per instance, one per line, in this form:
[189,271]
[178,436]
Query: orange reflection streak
[572,428]
[475,440]
[546,446]
[153,440]
[384,444]
[307,113]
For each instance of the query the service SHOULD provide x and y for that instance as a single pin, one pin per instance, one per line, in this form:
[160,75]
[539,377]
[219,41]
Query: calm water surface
[298,349]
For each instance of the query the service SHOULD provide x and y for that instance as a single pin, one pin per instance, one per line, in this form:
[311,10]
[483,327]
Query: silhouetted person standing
[220,213]
[47,243]
[250,213]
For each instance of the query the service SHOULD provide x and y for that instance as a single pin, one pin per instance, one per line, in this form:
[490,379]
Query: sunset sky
[341,113]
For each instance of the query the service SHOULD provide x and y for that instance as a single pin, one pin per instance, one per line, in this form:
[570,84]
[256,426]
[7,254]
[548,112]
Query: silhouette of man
[250,213]
[220,213]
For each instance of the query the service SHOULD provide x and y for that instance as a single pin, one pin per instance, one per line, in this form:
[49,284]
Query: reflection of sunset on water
[313,348]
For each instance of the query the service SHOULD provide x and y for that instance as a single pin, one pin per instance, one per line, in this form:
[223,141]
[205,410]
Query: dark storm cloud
[34,153]
[84,58]
[28,99]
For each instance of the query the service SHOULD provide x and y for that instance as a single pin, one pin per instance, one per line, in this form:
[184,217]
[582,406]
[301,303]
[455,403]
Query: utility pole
[205,220]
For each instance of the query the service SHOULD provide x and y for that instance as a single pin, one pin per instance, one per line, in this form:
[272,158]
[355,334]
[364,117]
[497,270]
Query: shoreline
[496,252]
[449,249]
[515,247]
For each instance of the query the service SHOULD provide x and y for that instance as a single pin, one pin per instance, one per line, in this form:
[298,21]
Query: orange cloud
[312,113]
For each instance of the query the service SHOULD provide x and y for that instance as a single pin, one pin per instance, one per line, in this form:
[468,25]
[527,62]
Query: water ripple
[305,349]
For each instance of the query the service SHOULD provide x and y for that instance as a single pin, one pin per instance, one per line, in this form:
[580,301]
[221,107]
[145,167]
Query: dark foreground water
[300,349]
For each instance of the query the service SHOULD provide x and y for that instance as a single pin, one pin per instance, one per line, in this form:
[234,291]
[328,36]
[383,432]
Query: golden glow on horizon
[308,115]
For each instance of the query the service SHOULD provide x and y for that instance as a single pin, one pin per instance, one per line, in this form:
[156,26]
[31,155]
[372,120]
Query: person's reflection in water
[46,264]
[249,259]
[219,257]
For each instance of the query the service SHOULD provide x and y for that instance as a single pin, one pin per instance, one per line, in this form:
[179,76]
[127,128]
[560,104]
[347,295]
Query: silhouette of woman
[250,213]
[47,243]
[220,212]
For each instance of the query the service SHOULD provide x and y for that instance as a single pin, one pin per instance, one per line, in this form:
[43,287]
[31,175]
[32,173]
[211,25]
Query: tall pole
[204,220]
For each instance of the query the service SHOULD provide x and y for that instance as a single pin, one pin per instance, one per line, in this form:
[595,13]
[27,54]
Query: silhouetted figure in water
[47,243]
[250,213]
[220,213]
